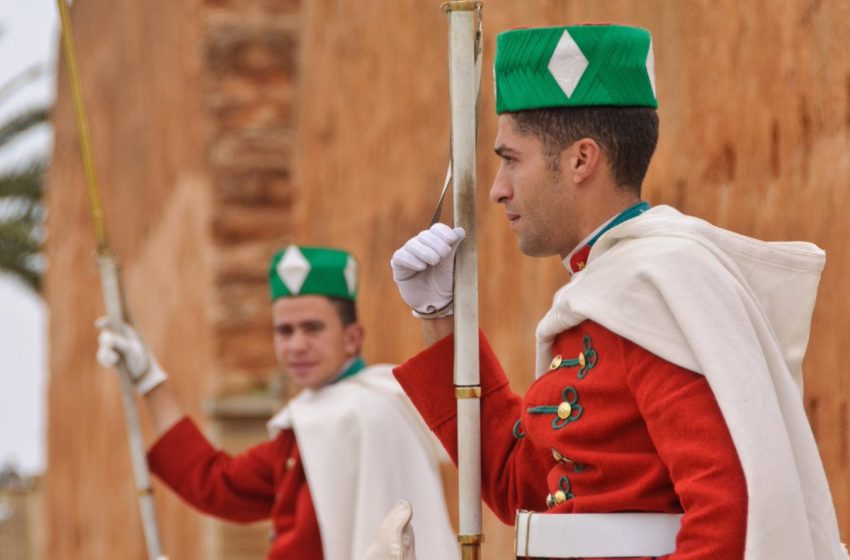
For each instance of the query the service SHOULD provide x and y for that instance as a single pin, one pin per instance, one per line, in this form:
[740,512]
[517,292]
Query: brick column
[250,77]
[250,53]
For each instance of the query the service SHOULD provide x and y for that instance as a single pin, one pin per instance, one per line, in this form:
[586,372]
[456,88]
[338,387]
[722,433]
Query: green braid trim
[570,396]
[518,434]
[567,487]
[586,360]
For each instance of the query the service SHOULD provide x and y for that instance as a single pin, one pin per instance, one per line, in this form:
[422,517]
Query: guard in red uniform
[341,454]
[668,368]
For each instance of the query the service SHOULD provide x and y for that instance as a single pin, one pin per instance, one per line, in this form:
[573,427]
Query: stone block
[233,225]
[254,187]
[254,148]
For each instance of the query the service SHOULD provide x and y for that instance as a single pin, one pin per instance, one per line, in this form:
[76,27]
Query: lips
[301,368]
[512,218]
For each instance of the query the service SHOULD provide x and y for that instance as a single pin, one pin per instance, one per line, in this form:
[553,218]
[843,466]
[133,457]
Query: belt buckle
[527,532]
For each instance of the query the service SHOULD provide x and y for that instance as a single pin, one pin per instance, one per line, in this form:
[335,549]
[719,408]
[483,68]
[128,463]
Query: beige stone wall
[192,108]
[141,72]
[21,516]
[244,124]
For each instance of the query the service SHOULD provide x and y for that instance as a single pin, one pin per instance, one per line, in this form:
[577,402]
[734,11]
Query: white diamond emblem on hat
[567,64]
[293,269]
[650,67]
[350,273]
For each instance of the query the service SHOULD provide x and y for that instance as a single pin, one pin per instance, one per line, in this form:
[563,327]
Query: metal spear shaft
[113,295]
[463,89]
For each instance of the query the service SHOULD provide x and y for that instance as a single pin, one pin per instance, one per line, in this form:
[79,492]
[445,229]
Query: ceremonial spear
[113,295]
[464,84]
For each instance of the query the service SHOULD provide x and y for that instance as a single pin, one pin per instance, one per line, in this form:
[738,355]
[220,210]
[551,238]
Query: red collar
[579,259]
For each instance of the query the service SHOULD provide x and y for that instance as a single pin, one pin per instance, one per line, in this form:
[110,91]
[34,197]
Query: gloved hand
[423,270]
[395,539]
[121,341]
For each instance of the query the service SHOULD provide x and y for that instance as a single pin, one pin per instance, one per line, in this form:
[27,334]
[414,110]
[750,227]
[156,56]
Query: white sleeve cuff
[153,378]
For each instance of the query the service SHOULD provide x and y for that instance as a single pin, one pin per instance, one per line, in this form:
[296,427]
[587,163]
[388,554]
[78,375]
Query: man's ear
[583,158]
[353,336]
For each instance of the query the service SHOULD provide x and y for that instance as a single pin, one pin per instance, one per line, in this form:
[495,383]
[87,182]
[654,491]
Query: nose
[500,192]
[296,342]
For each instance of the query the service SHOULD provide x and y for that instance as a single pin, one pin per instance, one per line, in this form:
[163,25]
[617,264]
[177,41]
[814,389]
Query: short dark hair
[627,135]
[346,309]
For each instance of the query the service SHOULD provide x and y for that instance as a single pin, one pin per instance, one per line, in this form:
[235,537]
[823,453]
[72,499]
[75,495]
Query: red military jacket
[266,481]
[610,428]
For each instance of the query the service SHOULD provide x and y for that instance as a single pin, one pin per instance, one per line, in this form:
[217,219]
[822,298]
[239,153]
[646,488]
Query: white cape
[364,447]
[738,311]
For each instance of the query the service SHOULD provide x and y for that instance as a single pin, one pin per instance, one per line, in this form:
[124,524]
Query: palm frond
[20,123]
[20,80]
[21,191]
[25,182]
[19,252]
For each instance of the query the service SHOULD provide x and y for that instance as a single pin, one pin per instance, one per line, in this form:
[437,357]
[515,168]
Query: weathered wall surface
[247,123]
[146,129]
[191,107]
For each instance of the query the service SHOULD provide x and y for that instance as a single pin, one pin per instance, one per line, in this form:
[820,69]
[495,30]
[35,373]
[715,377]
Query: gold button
[559,457]
[564,410]
[581,360]
[290,463]
[560,497]
[556,362]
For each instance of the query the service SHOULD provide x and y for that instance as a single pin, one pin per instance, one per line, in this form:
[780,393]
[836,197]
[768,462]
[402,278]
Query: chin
[305,382]
[312,382]
[535,249]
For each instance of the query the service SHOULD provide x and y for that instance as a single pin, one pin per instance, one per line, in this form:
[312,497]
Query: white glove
[121,341]
[423,270]
[395,539]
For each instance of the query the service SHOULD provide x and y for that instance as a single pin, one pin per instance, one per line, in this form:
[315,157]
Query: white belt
[595,535]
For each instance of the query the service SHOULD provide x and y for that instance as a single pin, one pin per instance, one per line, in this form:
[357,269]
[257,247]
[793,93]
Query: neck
[597,210]
[351,367]
[609,202]
[579,256]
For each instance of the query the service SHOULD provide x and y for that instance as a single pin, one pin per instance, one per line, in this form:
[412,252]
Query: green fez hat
[575,66]
[301,271]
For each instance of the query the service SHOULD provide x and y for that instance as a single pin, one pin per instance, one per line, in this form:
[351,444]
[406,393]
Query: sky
[28,38]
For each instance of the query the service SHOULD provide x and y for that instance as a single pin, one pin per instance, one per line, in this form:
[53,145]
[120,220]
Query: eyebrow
[299,325]
[502,150]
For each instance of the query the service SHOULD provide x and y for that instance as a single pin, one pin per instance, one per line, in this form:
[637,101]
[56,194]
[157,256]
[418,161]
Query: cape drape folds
[364,447]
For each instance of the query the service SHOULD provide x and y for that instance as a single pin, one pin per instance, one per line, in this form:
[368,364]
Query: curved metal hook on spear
[113,294]
[464,78]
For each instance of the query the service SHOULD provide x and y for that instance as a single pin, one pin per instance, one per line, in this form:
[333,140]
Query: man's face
[310,342]
[537,199]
